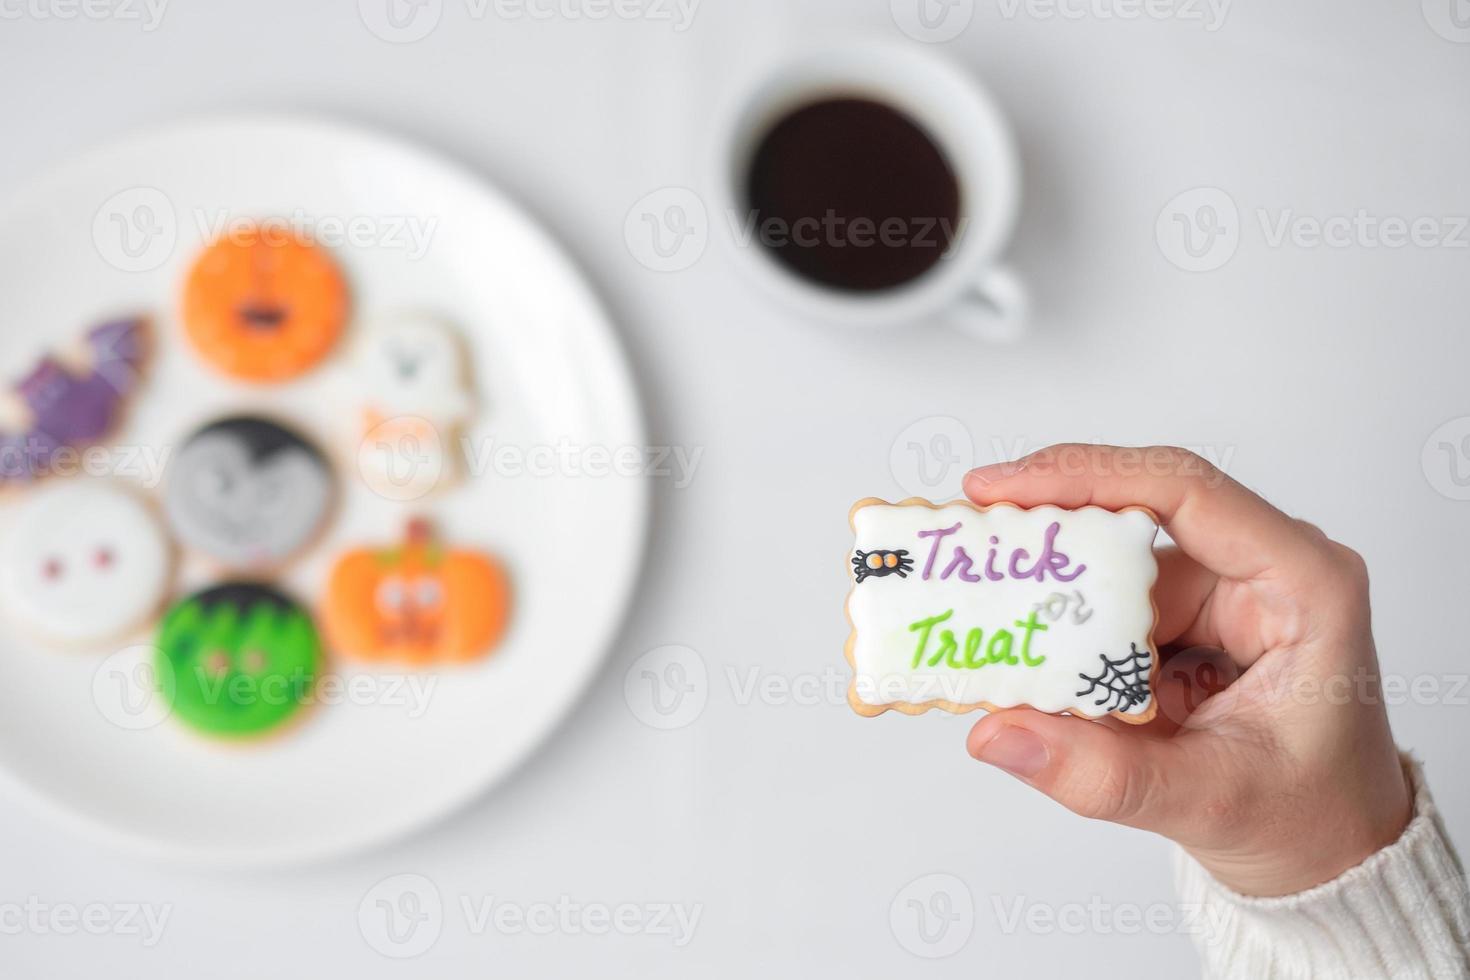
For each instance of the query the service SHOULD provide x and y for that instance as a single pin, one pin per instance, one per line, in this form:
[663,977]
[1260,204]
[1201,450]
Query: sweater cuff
[1404,912]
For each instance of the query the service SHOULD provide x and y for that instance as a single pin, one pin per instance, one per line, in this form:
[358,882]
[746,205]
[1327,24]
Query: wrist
[1323,845]
[1400,913]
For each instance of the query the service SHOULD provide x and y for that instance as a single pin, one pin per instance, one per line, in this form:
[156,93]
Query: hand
[1285,778]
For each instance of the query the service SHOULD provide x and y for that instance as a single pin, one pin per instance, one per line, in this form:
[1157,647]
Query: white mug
[968,287]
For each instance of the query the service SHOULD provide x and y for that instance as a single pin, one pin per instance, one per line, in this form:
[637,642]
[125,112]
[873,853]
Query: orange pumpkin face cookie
[418,602]
[264,304]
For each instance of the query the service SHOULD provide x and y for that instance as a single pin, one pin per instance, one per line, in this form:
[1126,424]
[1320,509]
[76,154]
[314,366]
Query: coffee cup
[777,126]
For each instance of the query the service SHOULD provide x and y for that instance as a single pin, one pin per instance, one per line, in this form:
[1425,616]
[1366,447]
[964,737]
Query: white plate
[548,372]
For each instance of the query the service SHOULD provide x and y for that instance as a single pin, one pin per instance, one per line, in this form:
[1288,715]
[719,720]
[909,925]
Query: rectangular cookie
[959,607]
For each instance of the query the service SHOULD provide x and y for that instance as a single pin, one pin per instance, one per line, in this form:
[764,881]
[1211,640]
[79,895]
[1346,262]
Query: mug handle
[995,308]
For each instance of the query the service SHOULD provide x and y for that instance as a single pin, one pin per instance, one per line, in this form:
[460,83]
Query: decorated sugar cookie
[73,402]
[237,659]
[959,607]
[83,562]
[417,397]
[419,602]
[263,304]
[247,492]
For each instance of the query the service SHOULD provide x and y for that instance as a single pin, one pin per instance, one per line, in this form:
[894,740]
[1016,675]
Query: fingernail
[1015,750]
[995,472]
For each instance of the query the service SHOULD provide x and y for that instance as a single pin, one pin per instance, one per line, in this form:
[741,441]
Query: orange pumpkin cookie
[263,304]
[417,602]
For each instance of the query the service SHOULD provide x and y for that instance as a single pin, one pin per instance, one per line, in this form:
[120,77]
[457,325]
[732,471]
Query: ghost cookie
[83,563]
[960,607]
[237,659]
[416,397]
[264,305]
[247,492]
[417,602]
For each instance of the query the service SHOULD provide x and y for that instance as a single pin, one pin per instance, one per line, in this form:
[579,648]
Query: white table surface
[1316,373]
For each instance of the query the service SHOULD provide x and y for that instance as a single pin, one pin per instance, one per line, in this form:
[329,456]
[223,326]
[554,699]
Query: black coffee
[853,194]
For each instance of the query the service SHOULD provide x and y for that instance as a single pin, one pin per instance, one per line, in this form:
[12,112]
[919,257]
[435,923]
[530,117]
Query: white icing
[414,366]
[413,375]
[83,562]
[1102,611]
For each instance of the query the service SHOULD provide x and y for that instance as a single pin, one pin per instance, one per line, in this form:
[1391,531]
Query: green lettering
[972,647]
[1030,625]
[926,625]
[946,651]
[999,650]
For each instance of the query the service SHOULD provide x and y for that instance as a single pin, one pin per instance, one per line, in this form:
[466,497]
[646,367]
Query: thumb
[1089,768]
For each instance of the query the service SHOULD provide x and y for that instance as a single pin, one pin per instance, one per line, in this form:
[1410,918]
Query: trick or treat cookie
[419,602]
[247,492]
[237,659]
[83,563]
[960,607]
[263,304]
[72,401]
[416,392]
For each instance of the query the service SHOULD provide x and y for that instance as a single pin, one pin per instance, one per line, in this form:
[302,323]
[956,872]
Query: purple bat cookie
[73,409]
[118,349]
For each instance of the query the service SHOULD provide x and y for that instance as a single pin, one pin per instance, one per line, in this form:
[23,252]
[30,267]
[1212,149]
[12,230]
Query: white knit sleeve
[1402,913]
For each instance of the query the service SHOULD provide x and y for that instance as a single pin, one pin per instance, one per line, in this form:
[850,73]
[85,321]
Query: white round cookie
[83,562]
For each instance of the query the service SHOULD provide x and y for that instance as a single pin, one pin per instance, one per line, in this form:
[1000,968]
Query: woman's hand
[1285,778]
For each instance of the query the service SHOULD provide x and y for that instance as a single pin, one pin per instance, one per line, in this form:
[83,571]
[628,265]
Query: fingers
[1222,525]
[1188,680]
[1093,770]
[1181,594]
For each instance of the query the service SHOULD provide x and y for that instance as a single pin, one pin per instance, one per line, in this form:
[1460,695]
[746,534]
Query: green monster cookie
[237,659]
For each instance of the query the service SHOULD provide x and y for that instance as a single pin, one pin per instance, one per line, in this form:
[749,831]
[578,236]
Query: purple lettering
[960,563]
[990,570]
[1053,560]
[1016,572]
[938,534]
